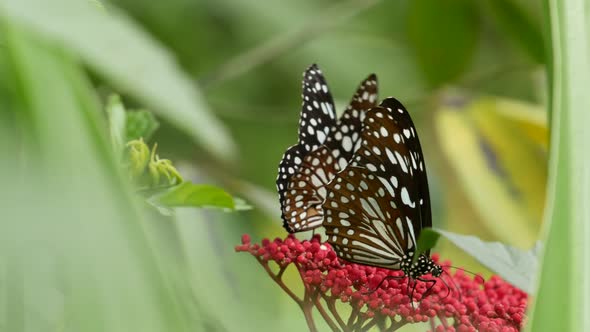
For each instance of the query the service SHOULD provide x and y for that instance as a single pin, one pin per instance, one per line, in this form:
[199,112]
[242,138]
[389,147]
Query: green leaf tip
[426,241]
[116,116]
[514,265]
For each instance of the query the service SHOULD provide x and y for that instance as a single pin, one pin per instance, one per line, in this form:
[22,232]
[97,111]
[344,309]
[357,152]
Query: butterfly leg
[384,279]
[429,289]
[415,282]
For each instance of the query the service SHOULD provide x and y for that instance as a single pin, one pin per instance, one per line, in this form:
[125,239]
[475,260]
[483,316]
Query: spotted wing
[421,192]
[391,206]
[306,191]
[301,205]
[344,138]
[317,112]
[363,221]
[406,148]
[316,118]
[289,164]
[391,150]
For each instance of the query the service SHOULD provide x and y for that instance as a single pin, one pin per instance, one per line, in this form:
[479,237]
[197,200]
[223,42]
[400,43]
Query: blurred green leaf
[228,277]
[72,229]
[518,26]
[426,241]
[188,194]
[140,124]
[117,123]
[117,48]
[563,296]
[444,35]
[241,205]
[512,264]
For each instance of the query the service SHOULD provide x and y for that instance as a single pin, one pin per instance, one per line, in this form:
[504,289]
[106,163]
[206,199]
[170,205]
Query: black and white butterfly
[377,206]
[325,146]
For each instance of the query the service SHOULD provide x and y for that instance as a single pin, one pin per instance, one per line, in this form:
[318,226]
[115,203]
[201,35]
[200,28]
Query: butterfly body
[423,265]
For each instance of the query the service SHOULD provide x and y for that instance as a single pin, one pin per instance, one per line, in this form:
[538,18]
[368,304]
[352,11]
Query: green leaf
[241,205]
[563,295]
[426,241]
[140,124]
[518,26]
[117,121]
[443,35]
[188,194]
[115,47]
[512,264]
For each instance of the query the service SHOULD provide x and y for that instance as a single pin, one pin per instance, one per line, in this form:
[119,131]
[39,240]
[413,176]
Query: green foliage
[117,123]
[140,123]
[163,185]
[519,26]
[129,58]
[512,264]
[444,36]
[147,170]
[128,125]
[80,249]
[426,241]
[75,248]
[198,195]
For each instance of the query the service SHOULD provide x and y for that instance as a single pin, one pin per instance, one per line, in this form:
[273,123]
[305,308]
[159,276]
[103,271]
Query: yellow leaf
[515,133]
[485,189]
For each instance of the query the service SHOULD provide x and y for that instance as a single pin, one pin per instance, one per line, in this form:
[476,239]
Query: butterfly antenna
[476,275]
[454,284]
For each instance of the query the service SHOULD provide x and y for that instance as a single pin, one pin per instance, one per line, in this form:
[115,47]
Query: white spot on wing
[406,198]
[347,143]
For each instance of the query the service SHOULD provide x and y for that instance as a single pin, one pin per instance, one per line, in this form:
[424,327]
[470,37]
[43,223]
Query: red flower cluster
[459,303]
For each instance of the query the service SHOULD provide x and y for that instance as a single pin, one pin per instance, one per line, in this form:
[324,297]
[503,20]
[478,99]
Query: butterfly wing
[418,166]
[317,112]
[389,152]
[302,192]
[316,118]
[306,191]
[289,164]
[344,138]
[363,222]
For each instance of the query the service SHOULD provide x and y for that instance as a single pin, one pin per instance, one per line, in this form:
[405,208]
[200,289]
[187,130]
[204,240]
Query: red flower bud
[471,304]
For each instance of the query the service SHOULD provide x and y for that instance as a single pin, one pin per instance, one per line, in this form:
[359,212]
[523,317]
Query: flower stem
[279,280]
[307,307]
[324,314]
[352,317]
[330,302]
[396,325]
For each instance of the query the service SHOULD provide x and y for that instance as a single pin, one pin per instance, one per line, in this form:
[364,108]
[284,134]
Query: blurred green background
[224,79]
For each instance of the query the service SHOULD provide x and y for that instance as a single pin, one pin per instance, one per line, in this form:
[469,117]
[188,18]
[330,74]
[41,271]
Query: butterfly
[377,206]
[325,147]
